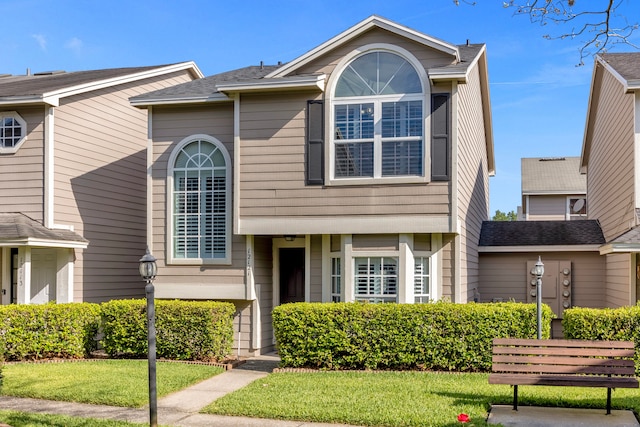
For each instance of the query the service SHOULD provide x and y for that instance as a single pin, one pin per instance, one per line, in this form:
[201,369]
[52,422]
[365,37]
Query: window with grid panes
[336,280]
[421,280]
[200,202]
[378,119]
[376,279]
[13,131]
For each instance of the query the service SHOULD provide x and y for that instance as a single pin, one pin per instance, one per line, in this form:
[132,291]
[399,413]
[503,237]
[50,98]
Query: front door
[291,275]
[43,275]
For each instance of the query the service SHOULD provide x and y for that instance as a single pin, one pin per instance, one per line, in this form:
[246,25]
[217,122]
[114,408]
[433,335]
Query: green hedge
[607,324]
[48,331]
[440,336]
[185,330]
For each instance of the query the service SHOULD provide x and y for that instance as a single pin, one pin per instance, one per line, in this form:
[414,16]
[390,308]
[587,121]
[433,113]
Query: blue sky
[538,95]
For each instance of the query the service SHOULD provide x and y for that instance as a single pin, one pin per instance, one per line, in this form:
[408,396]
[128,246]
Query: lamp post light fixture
[148,270]
[538,271]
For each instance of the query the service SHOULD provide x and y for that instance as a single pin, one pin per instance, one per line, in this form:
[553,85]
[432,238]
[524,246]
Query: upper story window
[378,119]
[577,207]
[13,131]
[200,202]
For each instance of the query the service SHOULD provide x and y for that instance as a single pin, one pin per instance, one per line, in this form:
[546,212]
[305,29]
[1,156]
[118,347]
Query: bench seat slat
[563,380]
[563,343]
[542,350]
[568,361]
[556,369]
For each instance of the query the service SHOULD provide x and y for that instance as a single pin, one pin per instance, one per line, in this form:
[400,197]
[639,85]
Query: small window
[376,279]
[336,280]
[577,207]
[421,280]
[13,132]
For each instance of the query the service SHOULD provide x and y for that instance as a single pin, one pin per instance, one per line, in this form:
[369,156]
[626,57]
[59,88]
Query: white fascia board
[44,243]
[55,96]
[611,248]
[554,193]
[586,139]
[613,72]
[216,97]
[357,30]
[304,82]
[443,75]
[539,248]
[26,100]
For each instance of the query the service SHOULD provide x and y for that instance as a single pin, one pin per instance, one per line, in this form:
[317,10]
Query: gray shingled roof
[631,236]
[541,233]
[34,85]
[626,64]
[559,175]
[207,86]
[19,227]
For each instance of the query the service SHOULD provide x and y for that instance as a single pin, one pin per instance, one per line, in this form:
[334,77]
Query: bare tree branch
[599,29]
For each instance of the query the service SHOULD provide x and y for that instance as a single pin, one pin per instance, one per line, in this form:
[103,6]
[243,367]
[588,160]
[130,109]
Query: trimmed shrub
[607,324]
[48,330]
[185,330]
[439,336]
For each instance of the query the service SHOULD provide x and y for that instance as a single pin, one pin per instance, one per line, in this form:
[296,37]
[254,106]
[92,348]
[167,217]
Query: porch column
[24,275]
[65,262]
[406,269]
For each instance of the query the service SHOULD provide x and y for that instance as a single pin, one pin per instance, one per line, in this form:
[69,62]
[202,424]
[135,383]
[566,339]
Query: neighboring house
[553,189]
[611,160]
[73,195]
[359,171]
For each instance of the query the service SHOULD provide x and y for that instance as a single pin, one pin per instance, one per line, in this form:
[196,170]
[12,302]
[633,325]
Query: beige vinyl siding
[170,126]
[473,180]
[619,280]
[547,208]
[427,56]
[100,185]
[263,274]
[448,265]
[610,177]
[272,166]
[23,171]
[505,276]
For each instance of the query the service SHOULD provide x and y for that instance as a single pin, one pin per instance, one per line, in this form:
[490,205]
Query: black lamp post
[538,270]
[148,270]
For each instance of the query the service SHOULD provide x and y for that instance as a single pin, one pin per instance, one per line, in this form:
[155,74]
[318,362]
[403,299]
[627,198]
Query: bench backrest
[563,357]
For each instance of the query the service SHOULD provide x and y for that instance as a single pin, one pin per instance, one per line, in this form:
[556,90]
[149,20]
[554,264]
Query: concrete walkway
[533,416]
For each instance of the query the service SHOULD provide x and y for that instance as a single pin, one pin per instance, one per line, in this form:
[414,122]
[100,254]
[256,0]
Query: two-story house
[611,159]
[553,189]
[73,194]
[358,171]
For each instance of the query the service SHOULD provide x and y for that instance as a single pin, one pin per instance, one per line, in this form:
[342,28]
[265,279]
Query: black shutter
[440,138]
[315,143]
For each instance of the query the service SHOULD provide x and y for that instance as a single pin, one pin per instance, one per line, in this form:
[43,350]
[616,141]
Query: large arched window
[200,201]
[378,118]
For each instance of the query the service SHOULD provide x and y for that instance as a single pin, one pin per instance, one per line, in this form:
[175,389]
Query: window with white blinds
[200,197]
[421,280]
[376,279]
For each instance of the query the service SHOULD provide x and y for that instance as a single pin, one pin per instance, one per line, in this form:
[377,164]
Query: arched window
[200,198]
[378,118]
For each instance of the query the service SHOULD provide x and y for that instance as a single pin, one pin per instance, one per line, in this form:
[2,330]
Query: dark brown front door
[291,275]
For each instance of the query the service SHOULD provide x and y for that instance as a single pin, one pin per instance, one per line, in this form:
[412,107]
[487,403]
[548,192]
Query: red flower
[464,418]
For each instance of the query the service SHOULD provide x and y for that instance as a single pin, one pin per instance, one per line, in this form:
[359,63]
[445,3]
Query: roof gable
[556,175]
[51,87]
[357,30]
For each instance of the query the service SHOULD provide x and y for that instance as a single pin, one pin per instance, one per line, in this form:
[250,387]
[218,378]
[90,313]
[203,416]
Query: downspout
[455,223]
[48,211]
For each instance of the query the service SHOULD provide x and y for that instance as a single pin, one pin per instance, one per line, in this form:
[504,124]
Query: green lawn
[22,419]
[398,399]
[106,382]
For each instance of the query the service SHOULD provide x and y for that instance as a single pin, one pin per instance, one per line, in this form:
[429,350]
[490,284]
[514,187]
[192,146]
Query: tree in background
[598,24]
[505,216]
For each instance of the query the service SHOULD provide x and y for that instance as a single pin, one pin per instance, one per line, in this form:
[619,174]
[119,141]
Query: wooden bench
[572,363]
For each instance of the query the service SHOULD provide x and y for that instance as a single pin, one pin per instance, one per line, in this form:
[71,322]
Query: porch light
[148,267]
[289,237]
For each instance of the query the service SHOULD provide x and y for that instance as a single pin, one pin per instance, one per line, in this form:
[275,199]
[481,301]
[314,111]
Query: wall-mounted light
[289,237]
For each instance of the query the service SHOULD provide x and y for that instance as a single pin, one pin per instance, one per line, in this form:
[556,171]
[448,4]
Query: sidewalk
[178,409]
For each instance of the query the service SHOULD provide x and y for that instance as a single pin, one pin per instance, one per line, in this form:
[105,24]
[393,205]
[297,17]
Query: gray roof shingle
[626,64]
[552,175]
[19,227]
[34,85]
[541,233]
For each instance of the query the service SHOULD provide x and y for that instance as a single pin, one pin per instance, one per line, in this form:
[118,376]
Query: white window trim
[14,115]
[426,108]
[170,208]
